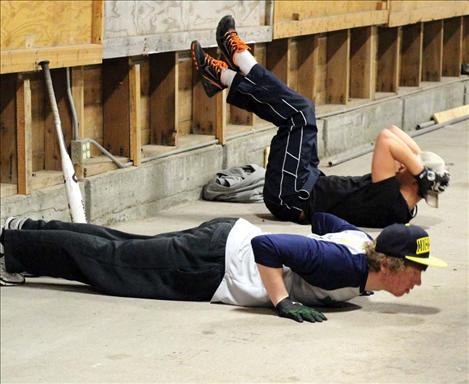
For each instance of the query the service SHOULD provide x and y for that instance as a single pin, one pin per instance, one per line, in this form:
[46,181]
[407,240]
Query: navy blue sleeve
[321,263]
[322,223]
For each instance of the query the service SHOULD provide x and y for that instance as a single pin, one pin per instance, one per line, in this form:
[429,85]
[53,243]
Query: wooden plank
[135,115]
[404,12]
[452,47]
[8,147]
[338,64]
[450,114]
[93,105]
[164,108]
[411,55]
[307,26]
[24,135]
[389,49]
[320,75]
[78,93]
[52,158]
[8,189]
[308,58]
[432,51]
[99,164]
[46,178]
[277,59]
[24,60]
[204,108]
[97,24]
[116,113]
[362,60]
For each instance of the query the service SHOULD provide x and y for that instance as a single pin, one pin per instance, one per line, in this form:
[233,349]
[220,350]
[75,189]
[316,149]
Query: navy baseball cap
[409,242]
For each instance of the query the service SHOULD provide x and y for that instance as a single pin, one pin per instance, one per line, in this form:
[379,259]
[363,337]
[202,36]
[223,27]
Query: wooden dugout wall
[151,105]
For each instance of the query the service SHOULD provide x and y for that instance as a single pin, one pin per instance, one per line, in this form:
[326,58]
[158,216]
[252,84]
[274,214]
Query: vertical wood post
[78,94]
[432,51]
[411,55]
[23,126]
[308,56]
[135,114]
[277,59]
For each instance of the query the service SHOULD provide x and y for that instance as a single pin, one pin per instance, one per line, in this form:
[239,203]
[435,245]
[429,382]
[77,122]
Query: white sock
[245,61]
[227,76]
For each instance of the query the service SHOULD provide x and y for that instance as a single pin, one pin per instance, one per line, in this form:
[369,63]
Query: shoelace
[218,65]
[236,44]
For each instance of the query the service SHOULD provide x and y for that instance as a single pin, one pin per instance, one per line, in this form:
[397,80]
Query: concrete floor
[58,331]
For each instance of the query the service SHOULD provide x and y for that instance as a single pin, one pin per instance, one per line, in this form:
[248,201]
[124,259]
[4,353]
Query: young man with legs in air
[294,186]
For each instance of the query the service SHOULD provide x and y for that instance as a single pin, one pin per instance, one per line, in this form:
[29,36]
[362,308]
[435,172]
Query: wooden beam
[277,59]
[452,46]
[432,51]
[389,50]
[97,24]
[116,101]
[135,115]
[404,12]
[338,64]
[164,98]
[23,126]
[24,60]
[362,62]
[78,93]
[411,55]
[308,58]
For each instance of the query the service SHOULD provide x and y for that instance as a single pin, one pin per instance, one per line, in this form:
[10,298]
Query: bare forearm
[406,139]
[273,283]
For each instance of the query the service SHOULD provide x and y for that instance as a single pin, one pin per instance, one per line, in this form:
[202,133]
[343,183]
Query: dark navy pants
[183,265]
[292,168]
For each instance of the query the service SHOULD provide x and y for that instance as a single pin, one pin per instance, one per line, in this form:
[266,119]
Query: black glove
[429,180]
[298,312]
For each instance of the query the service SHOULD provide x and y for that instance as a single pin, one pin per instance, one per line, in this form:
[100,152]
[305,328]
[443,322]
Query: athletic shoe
[11,222]
[7,278]
[228,41]
[209,69]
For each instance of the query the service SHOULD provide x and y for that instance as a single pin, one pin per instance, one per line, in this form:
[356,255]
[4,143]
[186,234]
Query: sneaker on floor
[11,222]
[228,41]
[7,278]
[208,68]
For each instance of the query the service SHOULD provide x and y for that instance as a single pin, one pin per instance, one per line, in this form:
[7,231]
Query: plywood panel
[8,172]
[452,46]
[338,62]
[116,102]
[432,51]
[389,50]
[52,159]
[362,62]
[277,58]
[164,86]
[320,77]
[93,106]
[465,44]
[45,24]
[307,65]
[411,55]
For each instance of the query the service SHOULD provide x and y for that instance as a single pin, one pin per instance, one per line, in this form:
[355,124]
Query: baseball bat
[75,200]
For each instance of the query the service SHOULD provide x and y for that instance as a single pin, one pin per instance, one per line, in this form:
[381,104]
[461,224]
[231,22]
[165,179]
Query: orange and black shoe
[228,40]
[209,69]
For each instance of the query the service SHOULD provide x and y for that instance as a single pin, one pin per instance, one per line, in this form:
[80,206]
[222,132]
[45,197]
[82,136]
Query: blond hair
[375,259]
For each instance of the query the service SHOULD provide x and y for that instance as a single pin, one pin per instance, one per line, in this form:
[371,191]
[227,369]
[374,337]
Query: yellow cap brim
[430,261]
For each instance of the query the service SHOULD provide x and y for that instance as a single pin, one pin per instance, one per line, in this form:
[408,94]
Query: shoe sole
[223,50]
